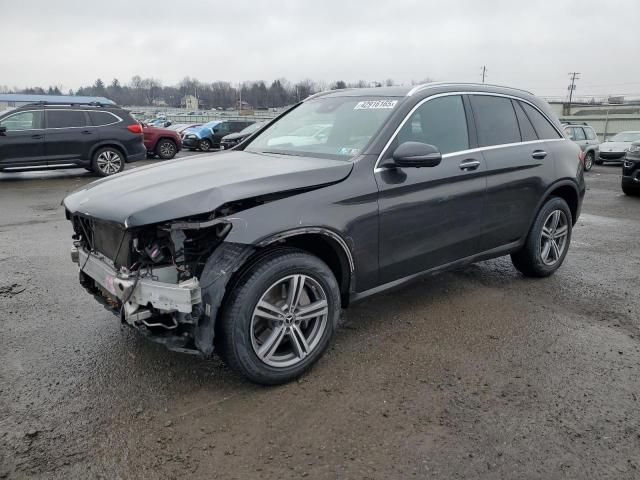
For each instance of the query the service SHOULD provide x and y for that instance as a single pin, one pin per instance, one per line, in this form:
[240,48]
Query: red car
[162,142]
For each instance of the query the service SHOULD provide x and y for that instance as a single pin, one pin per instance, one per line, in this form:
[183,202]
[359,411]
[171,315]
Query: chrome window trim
[81,110]
[459,152]
[23,111]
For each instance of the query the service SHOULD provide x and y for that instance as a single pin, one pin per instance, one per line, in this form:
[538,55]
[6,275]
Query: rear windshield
[338,127]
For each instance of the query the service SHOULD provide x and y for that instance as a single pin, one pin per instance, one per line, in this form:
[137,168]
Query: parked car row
[209,135]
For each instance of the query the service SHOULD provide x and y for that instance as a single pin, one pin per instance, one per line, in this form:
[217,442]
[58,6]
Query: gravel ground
[477,373]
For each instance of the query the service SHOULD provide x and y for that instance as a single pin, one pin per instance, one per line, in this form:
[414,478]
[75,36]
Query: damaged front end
[166,280]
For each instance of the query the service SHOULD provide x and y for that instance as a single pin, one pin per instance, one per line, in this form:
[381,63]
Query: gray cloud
[523,43]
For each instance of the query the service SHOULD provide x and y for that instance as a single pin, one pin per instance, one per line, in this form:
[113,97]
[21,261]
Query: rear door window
[579,134]
[66,118]
[591,134]
[440,122]
[527,131]
[543,127]
[496,120]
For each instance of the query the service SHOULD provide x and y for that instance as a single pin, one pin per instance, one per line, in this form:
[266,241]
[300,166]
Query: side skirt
[496,252]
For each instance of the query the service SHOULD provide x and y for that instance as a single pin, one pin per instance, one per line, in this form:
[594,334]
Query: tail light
[135,128]
[581,156]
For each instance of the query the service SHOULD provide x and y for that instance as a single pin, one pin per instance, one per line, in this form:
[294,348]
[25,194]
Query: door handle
[469,165]
[87,132]
[539,154]
[36,137]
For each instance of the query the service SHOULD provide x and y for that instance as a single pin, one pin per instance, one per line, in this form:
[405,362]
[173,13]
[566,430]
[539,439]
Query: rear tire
[265,333]
[632,192]
[548,241]
[588,161]
[166,149]
[107,161]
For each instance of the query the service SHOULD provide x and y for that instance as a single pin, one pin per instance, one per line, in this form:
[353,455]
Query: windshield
[252,128]
[334,127]
[625,137]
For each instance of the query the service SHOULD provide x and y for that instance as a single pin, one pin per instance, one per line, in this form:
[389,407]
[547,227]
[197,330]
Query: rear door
[219,131]
[70,136]
[23,141]
[431,216]
[518,165]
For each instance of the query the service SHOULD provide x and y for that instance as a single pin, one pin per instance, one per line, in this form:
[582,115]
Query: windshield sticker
[375,104]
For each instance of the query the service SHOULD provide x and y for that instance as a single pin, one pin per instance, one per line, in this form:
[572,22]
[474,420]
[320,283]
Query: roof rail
[45,103]
[424,86]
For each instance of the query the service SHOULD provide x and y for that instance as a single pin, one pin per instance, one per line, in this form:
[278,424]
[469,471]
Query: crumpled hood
[200,184]
[614,146]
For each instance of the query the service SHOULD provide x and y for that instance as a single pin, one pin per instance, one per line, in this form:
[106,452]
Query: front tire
[166,149]
[548,241]
[204,145]
[280,317]
[588,161]
[107,161]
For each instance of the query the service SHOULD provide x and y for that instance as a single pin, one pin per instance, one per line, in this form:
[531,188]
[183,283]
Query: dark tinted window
[544,129]
[495,120]
[440,122]
[31,120]
[526,129]
[102,118]
[591,135]
[65,118]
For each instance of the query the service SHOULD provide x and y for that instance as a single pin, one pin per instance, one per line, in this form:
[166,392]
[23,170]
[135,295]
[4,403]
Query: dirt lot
[479,373]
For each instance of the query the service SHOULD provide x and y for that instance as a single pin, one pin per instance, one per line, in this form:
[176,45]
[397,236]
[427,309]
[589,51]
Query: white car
[615,149]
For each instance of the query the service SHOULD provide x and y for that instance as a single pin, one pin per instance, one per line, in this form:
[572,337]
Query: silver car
[585,136]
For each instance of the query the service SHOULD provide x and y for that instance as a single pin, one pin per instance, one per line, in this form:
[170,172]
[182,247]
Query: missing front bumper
[142,294]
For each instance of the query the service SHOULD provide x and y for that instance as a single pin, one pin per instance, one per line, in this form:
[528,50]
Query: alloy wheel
[109,162]
[553,241]
[167,149]
[289,320]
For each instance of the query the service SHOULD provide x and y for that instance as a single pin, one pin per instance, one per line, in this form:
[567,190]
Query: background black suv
[631,170]
[100,138]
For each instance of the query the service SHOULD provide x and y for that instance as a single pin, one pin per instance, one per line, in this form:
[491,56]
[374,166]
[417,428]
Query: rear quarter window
[591,134]
[544,128]
[99,119]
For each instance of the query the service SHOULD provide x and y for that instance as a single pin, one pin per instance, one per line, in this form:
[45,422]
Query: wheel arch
[324,243]
[108,143]
[568,191]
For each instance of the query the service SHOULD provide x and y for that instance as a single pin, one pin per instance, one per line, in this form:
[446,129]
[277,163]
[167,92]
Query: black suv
[631,170]
[100,138]
[258,251]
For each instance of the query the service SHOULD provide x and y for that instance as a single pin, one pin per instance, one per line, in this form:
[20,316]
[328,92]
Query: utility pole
[572,86]
[484,72]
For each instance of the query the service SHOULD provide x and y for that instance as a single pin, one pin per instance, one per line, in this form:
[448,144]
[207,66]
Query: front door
[22,143]
[431,216]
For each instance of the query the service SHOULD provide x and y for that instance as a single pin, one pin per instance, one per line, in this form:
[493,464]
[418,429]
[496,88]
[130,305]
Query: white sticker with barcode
[373,104]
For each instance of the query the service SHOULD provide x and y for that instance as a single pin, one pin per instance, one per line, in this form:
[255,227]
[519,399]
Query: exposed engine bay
[162,279]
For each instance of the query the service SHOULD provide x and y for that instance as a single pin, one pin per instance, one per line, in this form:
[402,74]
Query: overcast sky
[523,43]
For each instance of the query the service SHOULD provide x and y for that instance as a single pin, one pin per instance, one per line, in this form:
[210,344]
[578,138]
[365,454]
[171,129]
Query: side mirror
[416,154]
[3,130]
